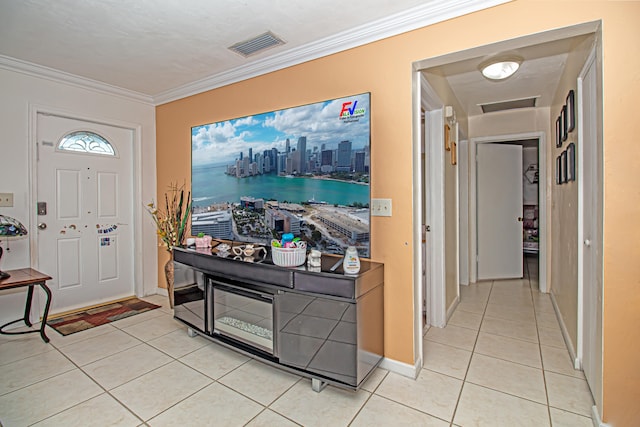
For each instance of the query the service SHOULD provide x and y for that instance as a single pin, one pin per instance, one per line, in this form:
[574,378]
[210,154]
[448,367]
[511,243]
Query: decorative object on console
[9,227]
[351,261]
[291,255]
[171,224]
[203,241]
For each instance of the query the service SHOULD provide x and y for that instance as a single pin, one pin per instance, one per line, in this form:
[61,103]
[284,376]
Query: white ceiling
[162,50]
[538,75]
[157,47]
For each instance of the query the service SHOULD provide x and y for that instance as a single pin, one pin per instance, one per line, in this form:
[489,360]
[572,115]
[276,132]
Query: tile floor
[501,361]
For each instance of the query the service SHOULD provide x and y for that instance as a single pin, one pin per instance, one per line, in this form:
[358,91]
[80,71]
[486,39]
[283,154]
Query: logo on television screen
[351,112]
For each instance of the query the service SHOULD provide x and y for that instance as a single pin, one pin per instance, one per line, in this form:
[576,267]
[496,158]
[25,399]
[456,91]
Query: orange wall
[384,69]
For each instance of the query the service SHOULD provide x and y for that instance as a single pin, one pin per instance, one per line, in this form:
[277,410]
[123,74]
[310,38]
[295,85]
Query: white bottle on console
[351,261]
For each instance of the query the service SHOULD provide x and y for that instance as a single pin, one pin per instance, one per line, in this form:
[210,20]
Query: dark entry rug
[96,316]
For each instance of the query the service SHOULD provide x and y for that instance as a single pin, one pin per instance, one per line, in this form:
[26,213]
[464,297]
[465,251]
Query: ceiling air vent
[492,107]
[257,44]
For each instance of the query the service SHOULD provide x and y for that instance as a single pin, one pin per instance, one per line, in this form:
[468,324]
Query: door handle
[42,226]
[587,242]
[519,219]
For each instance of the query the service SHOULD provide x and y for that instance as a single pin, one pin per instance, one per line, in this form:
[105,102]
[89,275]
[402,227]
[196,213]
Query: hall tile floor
[501,361]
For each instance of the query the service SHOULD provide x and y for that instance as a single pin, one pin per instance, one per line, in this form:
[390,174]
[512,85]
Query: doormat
[101,315]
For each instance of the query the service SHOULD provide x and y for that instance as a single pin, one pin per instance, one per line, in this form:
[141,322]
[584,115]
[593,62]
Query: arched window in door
[86,142]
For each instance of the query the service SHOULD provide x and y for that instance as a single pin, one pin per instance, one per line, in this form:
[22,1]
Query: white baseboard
[452,308]
[595,418]
[162,291]
[565,334]
[401,368]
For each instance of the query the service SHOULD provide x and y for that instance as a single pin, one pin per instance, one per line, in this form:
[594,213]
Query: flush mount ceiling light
[500,68]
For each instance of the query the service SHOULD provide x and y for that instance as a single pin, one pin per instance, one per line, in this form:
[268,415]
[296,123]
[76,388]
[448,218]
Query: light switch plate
[380,207]
[6,200]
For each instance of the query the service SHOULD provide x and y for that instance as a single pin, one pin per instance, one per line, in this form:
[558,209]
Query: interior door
[84,197]
[499,211]
[591,249]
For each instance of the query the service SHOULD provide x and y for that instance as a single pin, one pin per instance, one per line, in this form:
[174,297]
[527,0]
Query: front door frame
[136,164]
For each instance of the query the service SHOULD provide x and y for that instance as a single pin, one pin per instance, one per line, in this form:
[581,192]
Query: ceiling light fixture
[500,68]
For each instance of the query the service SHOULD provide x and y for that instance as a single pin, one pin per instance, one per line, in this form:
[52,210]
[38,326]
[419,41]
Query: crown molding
[39,71]
[428,14]
[418,17]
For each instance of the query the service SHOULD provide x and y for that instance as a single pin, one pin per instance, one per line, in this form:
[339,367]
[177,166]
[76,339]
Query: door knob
[587,242]
[519,219]
[42,226]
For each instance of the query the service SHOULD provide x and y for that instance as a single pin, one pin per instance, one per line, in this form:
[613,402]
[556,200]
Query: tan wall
[384,69]
[564,202]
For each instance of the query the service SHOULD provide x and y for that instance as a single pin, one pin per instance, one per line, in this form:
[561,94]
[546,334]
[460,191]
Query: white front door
[85,237]
[499,211]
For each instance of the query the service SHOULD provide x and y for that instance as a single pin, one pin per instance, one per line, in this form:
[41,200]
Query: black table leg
[46,289]
[27,306]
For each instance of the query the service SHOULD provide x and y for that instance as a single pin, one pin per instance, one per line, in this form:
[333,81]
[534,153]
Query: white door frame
[136,164]
[542,201]
[424,97]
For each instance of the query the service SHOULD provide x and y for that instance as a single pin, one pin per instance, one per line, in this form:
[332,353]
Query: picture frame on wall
[558,133]
[558,170]
[570,105]
[563,123]
[571,162]
[563,167]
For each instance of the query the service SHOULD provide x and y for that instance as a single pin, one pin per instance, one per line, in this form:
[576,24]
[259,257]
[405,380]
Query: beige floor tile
[100,411]
[453,336]
[379,411]
[473,306]
[482,407]
[559,361]
[60,341]
[125,366]
[178,343]
[331,407]
[507,377]
[508,328]
[30,370]
[522,314]
[46,398]
[268,418]
[431,392]
[374,380]
[568,393]
[259,382]
[96,348]
[511,349]
[551,337]
[214,360]
[138,318]
[446,359]
[154,328]
[22,346]
[213,405]
[567,419]
[466,319]
[512,302]
[158,390]
[161,300]
[547,320]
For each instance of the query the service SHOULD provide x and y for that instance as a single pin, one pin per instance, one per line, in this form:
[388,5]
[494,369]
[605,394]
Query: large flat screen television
[303,170]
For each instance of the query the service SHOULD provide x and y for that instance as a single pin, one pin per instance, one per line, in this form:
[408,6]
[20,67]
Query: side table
[27,277]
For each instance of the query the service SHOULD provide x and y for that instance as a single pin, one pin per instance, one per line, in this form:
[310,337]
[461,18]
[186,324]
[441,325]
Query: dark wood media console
[319,323]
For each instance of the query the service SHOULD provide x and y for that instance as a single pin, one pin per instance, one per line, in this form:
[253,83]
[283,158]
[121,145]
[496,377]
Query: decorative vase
[168,274]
